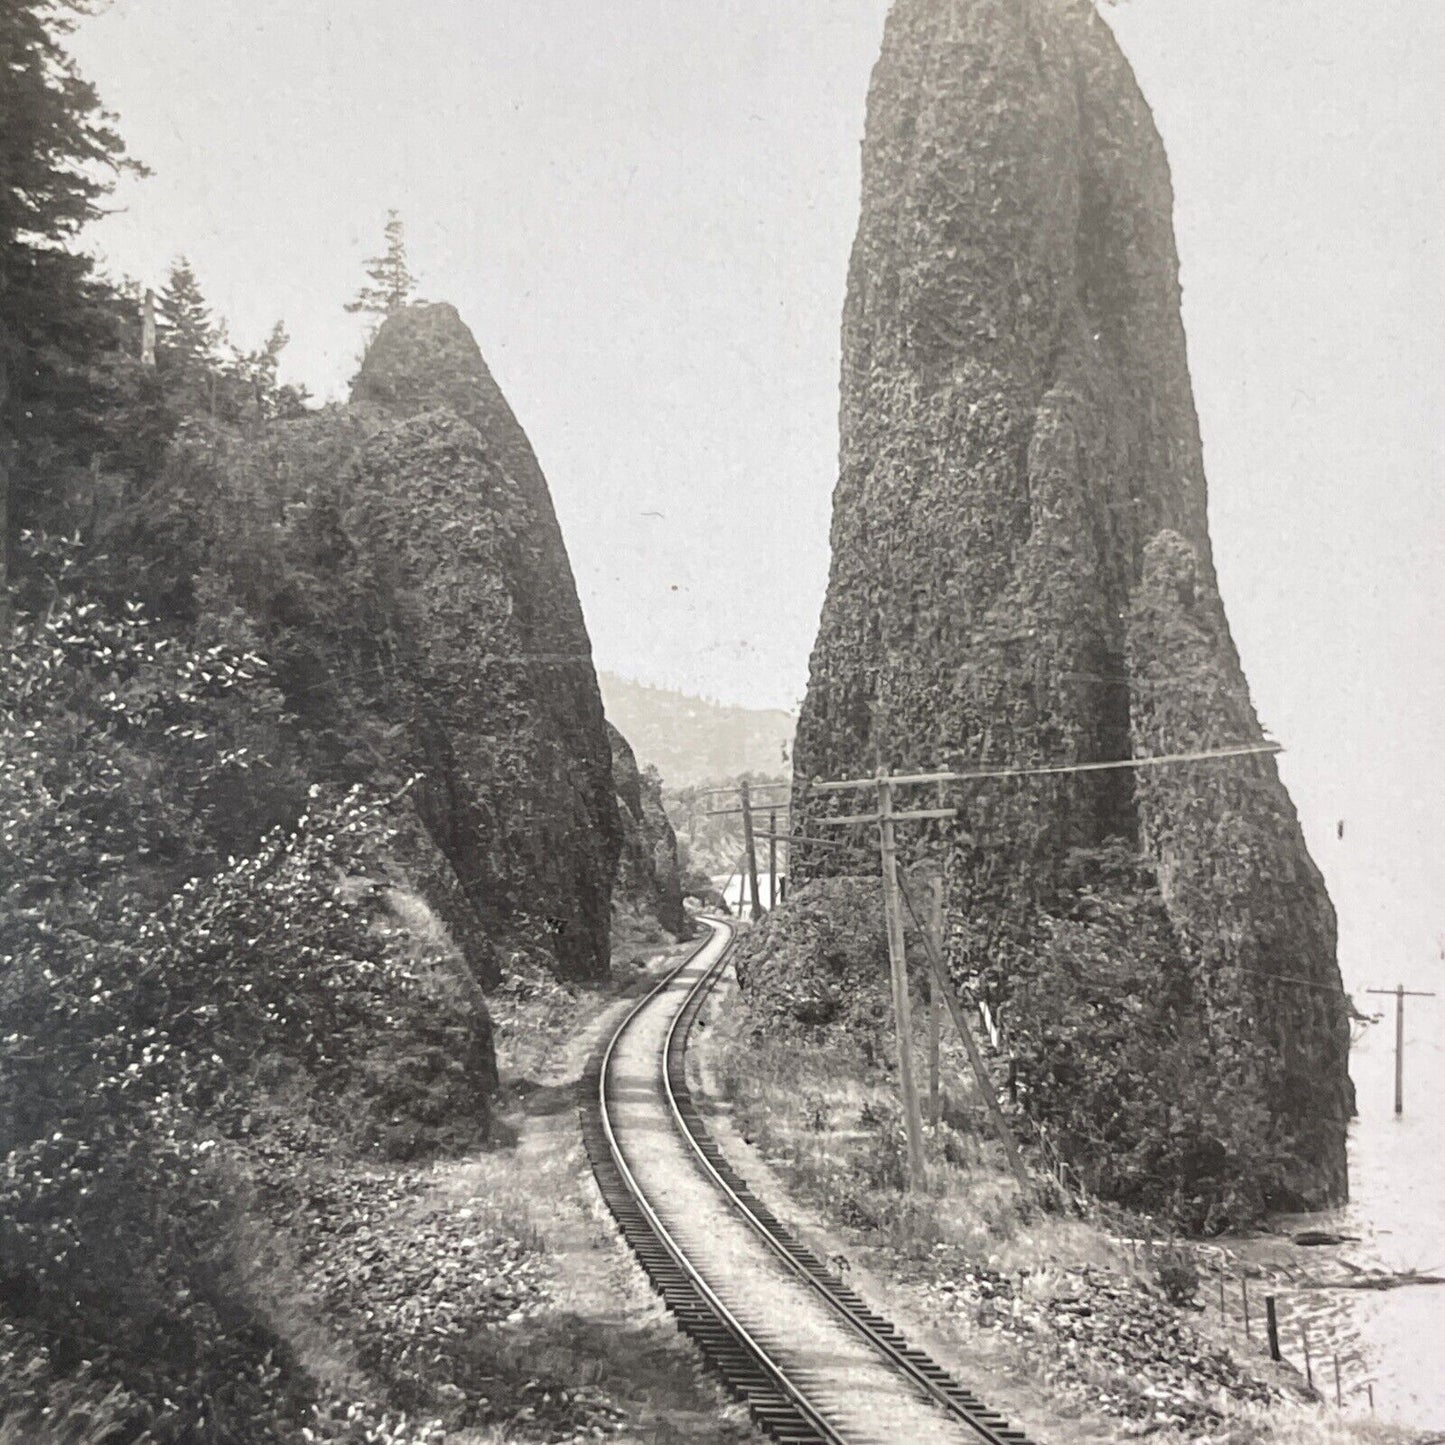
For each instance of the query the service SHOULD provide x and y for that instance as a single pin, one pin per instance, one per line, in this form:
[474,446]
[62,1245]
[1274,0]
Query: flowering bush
[137,1028]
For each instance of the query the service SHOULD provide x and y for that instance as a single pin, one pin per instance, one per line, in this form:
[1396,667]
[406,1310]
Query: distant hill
[691,740]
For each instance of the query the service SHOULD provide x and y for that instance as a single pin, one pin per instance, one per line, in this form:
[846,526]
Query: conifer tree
[59,154]
[187,343]
[390,283]
[255,377]
[188,335]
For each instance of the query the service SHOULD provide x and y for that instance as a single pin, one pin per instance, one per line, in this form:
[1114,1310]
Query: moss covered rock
[1022,572]
[649,876]
[491,661]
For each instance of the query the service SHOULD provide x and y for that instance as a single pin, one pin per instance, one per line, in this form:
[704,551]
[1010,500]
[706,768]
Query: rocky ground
[486,1296]
[1123,1350]
[1057,1320]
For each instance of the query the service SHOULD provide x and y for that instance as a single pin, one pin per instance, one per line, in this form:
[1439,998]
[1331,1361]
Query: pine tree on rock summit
[390,282]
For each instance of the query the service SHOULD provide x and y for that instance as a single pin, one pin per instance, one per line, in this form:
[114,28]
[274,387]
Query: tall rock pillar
[1020,472]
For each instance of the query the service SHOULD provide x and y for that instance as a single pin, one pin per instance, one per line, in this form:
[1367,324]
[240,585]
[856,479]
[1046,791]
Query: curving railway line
[812,1362]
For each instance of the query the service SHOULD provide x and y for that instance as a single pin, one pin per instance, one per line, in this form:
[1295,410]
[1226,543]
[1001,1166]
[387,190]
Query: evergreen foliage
[156,983]
[59,142]
[197,909]
[187,333]
[203,373]
[390,284]
[186,340]
[59,154]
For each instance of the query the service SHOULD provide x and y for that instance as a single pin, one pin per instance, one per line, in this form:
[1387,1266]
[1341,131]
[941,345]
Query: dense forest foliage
[228,940]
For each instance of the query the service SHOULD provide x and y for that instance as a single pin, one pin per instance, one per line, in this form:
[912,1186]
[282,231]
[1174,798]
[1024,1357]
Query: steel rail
[878,1332]
[797,1404]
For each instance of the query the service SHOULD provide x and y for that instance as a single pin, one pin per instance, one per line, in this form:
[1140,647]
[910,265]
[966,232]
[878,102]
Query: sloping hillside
[692,740]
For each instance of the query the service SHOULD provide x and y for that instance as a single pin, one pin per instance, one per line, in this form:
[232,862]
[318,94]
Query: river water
[1394,1340]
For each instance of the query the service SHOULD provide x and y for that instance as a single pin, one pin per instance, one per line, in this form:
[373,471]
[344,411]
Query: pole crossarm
[812,842]
[1399,993]
[917,816]
[1238,750]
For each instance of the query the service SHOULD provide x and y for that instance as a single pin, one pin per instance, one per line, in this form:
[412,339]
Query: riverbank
[1391,1233]
[1065,1324]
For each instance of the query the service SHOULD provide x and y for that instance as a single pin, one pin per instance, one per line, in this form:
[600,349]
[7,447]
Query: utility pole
[751,847]
[1400,993]
[750,837]
[898,971]
[772,859]
[975,1059]
[935,1004]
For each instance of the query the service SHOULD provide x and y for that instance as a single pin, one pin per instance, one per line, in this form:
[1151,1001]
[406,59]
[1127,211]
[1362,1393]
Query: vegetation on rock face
[649,876]
[1019,445]
[820,964]
[144,1017]
[519,791]
[1245,898]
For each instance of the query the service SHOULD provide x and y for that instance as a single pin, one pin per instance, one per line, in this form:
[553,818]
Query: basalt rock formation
[1022,575]
[409,584]
[649,877]
[494,689]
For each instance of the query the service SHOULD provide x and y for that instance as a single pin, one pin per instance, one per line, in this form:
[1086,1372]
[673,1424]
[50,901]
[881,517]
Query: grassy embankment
[487,1297]
[1060,1317]
[472,1293]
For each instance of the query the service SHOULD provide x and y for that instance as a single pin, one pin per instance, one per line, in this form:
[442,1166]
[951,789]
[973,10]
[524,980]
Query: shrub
[137,1026]
[1177,1276]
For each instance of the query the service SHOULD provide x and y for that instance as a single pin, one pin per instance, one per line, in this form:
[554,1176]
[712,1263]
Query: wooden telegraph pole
[749,843]
[750,839]
[898,971]
[1400,993]
[944,986]
[772,859]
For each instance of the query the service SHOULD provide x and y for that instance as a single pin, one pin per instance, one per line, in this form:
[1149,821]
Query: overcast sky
[644,212]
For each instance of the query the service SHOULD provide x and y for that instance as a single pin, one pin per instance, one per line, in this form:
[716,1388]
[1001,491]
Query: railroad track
[787,1335]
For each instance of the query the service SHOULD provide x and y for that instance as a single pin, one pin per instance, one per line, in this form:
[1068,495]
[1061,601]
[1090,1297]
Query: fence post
[935,1005]
[1271,1325]
[1304,1334]
[1244,1296]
